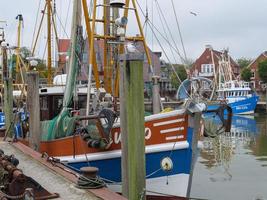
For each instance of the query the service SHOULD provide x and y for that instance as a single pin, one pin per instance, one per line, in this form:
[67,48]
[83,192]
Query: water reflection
[219,151]
[235,162]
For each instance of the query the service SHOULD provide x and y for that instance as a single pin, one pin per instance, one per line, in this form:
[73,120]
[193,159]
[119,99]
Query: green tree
[189,63]
[262,70]
[180,70]
[246,74]
[243,62]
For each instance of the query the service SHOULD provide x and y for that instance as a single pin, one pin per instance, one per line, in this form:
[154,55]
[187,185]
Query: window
[252,83]
[253,75]
[207,68]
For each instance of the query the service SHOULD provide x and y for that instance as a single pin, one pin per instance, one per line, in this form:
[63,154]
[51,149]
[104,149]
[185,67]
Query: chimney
[208,46]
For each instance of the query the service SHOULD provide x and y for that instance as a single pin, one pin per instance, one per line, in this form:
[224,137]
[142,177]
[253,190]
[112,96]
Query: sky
[239,25]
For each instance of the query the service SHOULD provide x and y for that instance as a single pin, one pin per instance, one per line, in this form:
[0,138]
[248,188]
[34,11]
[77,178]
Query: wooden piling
[132,126]
[155,95]
[194,122]
[8,97]
[33,107]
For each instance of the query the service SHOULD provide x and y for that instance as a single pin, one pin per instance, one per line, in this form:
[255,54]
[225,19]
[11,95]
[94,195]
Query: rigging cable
[35,25]
[179,30]
[164,52]
[168,28]
[164,30]
[67,17]
[157,29]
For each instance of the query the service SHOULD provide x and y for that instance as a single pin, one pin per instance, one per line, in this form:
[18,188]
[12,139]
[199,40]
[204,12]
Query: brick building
[255,79]
[99,47]
[208,63]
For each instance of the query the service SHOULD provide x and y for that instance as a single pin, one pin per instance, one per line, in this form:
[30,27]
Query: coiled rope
[90,183]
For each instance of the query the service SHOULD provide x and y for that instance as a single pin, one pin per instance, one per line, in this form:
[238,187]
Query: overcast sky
[240,25]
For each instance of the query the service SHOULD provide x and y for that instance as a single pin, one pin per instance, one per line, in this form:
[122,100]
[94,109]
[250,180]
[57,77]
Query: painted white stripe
[172,130]
[117,153]
[169,122]
[175,137]
[157,116]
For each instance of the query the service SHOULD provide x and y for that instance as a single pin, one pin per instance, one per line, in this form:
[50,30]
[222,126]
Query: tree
[180,70]
[246,74]
[189,63]
[243,62]
[262,70]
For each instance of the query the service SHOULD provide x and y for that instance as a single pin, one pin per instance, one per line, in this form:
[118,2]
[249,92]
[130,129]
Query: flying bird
[193,13]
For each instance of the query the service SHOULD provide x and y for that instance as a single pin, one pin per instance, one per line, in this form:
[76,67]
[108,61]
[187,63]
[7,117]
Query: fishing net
[64,124]
[61,126]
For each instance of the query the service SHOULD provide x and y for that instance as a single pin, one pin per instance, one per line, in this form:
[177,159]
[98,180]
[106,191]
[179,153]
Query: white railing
[206,74]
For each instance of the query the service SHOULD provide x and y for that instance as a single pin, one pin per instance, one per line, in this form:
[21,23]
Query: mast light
[117,3]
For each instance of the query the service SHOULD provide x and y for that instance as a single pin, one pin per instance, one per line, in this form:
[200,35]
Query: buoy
[166,164]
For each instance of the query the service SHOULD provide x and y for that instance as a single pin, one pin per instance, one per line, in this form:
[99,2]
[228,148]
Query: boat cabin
[51,100]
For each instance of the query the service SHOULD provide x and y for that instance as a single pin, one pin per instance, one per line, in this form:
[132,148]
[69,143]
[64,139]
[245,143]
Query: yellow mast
[20,19]
[49,54]
[107,62]
[109,39]
[88,30]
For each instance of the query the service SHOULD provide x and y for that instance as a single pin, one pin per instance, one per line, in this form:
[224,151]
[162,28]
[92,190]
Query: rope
[90,183]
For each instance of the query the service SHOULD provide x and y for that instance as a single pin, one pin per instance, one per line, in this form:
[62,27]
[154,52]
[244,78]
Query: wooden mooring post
[33,106]
[132,126]
[155,95]
[194,122]
[8,96]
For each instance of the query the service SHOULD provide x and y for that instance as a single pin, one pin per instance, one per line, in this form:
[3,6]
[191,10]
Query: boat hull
[246,106]
[168,135]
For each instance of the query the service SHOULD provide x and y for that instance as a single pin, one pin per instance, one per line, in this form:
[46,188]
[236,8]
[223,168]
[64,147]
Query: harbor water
[234,165]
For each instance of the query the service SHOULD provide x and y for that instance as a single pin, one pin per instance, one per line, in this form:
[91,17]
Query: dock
[55,179]
[261,106]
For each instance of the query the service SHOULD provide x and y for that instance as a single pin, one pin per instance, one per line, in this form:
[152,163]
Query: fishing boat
[238,95]
[170,137]
[95,139]
[225,89]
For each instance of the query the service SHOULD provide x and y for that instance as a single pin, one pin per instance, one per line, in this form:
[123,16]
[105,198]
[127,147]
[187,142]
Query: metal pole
[49,53]
[91,58]
[20,18]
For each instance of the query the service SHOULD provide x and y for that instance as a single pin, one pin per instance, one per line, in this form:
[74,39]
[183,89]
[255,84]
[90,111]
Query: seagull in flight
[193,13]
